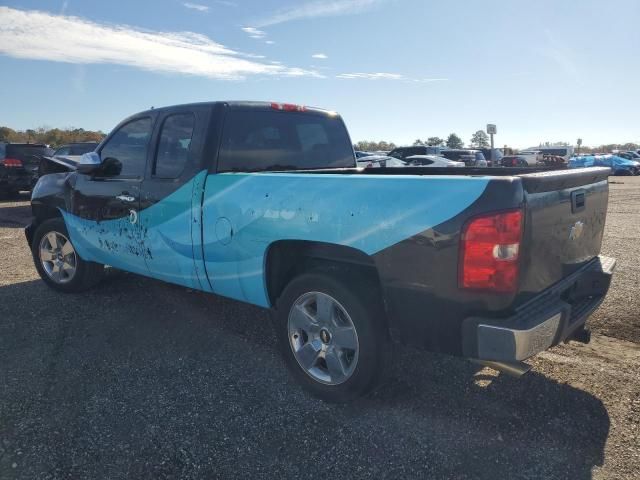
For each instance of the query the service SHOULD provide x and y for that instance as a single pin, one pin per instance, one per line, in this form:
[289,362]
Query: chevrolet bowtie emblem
[576,230]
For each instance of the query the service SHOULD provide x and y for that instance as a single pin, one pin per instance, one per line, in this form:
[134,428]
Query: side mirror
[89,163]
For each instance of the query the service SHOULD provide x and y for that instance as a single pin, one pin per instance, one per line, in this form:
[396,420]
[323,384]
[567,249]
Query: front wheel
[332,336]
[57,261]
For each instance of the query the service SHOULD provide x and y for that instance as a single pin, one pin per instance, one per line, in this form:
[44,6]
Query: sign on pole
[491,129]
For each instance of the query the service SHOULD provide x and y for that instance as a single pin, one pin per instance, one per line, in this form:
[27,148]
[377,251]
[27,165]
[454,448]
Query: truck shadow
[153,366]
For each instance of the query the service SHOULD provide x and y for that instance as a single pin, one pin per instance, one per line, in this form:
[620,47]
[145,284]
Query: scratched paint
[179,243]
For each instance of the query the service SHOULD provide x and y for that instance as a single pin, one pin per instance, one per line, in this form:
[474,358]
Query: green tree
[7,134]
[480,139]
[369,146]
[418,142]
[435,141]
[50,136]
[454,141]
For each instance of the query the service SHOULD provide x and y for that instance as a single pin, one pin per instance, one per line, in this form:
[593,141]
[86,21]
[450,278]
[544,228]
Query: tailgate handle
[578,201]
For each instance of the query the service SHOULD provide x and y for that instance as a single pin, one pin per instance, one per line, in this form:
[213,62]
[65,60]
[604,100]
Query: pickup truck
[263,203]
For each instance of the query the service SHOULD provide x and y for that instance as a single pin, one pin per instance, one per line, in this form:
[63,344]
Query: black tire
[359,298]
[87,274]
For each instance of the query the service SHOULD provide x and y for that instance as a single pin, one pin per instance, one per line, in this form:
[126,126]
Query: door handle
[126,198]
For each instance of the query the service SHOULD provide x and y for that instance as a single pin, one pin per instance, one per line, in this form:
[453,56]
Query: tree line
[481,140]
[50,136]
[478,140]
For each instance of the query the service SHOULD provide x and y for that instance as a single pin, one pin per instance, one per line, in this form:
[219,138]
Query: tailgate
[564,224]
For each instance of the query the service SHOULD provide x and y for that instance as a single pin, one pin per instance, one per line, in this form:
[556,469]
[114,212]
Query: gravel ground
[141,379]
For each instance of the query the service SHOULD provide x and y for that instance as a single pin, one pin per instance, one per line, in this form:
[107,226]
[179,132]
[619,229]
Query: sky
[396,70]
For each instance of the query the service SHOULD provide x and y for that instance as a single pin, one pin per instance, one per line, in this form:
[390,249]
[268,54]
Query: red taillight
[288,107]
[489,252]
[11,163]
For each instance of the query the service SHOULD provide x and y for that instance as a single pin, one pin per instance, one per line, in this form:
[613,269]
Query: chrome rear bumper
[550,318]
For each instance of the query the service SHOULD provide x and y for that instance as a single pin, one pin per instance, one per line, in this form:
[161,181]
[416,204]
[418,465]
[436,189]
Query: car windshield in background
[265,140]
[76,149]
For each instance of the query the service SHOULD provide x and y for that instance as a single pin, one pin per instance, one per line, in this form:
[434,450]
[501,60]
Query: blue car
[617,164]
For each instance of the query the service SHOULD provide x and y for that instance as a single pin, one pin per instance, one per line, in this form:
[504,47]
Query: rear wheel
[332,336]
[57,261]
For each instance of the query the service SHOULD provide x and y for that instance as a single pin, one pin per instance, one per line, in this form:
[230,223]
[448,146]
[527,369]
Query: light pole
[491,130]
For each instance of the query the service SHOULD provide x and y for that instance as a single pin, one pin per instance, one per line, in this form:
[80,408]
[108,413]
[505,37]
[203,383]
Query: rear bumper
[552,317]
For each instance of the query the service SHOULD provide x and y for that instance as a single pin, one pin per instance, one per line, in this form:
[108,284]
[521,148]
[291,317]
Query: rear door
[104,222]
[171,196]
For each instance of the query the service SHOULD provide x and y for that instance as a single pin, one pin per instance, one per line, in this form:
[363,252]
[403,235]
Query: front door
[104,223]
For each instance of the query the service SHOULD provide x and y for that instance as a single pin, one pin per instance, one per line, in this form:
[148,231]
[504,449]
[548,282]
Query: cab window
[173,146]
[265,140]
[129,145]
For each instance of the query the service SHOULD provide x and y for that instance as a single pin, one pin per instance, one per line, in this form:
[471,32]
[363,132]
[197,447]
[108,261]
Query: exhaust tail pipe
[514,369]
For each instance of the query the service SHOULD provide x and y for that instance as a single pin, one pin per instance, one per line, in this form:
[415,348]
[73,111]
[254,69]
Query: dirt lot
[140,379]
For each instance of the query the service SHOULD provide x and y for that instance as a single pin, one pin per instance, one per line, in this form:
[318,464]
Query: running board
[514,369]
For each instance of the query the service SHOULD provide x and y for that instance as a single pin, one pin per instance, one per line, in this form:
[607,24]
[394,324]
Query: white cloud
[317,8]
[321,56]
[196,6]
[254,32]
[45,36]
[388,76]
[269,42]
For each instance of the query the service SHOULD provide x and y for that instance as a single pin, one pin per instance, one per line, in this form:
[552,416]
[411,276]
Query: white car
[432,161]
[379,161]
[532,157]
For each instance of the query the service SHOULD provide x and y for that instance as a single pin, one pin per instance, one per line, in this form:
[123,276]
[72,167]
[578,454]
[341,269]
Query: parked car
[514,161]
[263,203]
[617,164]
[471,158]
[19,166]
[404,152]
[432,161]
[566,152]
[497,156]
[379,161]
[532,157]
[75,149]
[629,156]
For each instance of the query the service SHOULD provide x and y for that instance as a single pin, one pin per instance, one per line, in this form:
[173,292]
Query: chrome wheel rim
[323,338]
[58,257]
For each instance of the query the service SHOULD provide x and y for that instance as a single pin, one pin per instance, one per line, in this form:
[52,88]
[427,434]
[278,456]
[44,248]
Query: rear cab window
[257,140]
[174,145]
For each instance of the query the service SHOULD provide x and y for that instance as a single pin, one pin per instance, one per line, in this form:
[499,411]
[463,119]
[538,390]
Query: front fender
[51,194]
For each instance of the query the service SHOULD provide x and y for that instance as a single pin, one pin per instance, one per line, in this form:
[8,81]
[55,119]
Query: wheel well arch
[286,259]
[41,212]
